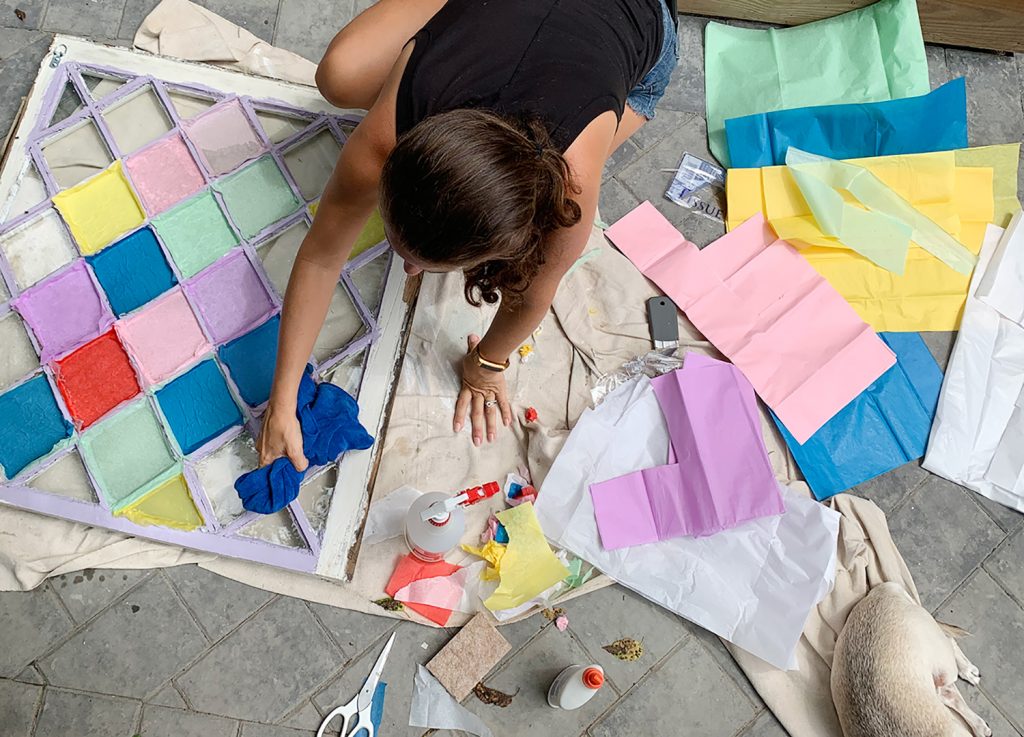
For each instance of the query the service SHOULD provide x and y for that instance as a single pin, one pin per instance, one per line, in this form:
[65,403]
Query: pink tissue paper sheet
[224,137]
[722,478]
[164,174]
[800,344]
[64,311]
[163,337]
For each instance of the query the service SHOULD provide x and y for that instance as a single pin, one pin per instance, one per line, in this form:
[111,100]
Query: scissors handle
[353,723]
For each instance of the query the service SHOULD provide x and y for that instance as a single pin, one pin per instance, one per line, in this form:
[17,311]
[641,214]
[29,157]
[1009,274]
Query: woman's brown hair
[475,190]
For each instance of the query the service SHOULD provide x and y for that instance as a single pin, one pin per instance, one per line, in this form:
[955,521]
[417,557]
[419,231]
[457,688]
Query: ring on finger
[491,403]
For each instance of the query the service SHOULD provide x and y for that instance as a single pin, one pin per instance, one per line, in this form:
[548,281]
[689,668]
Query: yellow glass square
[100,209]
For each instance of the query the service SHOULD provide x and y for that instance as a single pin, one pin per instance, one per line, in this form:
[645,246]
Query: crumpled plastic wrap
[434,708]
[654,363]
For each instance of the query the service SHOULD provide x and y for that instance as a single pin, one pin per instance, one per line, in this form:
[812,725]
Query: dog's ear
[952,630]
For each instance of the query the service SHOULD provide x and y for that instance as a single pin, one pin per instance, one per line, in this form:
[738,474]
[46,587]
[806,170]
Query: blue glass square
[31,425]
[250,361]
[198,406]
[133,271]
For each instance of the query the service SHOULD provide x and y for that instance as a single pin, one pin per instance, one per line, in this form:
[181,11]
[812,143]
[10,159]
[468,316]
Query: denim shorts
[652,87]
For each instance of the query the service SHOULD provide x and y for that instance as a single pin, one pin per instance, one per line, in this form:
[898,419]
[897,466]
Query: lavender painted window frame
[212,537]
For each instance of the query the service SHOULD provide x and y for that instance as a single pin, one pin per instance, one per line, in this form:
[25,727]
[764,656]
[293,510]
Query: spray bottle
[435,522]
[575,686]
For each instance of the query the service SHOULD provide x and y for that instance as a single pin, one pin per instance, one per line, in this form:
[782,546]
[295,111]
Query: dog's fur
[895,668]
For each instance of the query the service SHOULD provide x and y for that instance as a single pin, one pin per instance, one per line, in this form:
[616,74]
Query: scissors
[355,715]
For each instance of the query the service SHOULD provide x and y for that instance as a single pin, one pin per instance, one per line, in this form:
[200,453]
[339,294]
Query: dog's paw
[970,673]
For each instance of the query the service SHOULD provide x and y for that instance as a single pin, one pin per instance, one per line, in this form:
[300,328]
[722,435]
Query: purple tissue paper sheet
[721,476]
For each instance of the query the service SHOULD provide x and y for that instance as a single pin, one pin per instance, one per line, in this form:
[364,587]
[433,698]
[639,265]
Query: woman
[484,146]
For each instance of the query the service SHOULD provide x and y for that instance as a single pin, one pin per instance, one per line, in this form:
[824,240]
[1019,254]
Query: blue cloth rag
[933,122]
[884,427]
[329,418]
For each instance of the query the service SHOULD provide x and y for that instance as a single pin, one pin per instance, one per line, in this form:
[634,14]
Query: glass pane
[37,248]
[315,497]
[342,326]
[278,127]
[17,358]
[278,529]
[370,279]
[66,477]
[76,155]
[312,161]
[218,471]
[278,254]
[69,104]
[99,87]
[348,374]
[29,193]
[189,106]
[136,121]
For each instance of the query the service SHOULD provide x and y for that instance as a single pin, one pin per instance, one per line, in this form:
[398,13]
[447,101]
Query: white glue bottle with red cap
[575,686]
[435,522]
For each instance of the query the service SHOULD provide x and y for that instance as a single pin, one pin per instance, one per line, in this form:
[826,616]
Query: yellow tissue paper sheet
[961,191]
[492,552]
[168,505]
[100,209]
[371,234]
[529,567]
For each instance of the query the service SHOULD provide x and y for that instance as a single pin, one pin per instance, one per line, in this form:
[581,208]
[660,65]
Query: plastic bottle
[575,686]
[430,540]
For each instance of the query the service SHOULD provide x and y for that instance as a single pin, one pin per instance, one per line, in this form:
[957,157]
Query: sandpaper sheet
[469,656]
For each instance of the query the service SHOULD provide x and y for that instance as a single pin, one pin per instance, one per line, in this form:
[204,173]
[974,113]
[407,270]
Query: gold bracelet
[489,365]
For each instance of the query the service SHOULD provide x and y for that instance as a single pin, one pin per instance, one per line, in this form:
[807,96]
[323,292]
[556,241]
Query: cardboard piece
[805,351]
[469,656]
[933,122]
[866,55]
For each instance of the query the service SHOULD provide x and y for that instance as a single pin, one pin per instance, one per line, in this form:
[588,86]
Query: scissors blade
[365,698]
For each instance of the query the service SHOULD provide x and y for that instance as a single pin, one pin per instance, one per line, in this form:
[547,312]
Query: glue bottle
[575,686]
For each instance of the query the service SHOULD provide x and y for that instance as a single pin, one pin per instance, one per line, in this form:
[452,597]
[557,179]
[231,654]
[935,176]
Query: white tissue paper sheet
[753,585]
[434,708]
[977,438]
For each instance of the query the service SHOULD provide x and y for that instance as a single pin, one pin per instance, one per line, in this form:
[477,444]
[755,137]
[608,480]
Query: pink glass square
[164,174]
[164,337]
[224,137]
[64,311]
[230,297]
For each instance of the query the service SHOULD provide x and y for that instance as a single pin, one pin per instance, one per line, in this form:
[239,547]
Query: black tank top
[565,61]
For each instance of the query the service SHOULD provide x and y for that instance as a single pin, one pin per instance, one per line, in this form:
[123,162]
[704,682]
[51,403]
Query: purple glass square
[230,297]
[64,311]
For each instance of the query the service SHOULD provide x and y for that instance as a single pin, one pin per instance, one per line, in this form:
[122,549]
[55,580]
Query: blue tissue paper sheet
[329,419]
[31,425]
[250,360]
[884,427]
[933,122]
[198,406]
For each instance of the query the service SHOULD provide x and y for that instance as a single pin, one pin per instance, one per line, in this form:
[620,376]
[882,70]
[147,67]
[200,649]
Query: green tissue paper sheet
[867,55]
[882,232]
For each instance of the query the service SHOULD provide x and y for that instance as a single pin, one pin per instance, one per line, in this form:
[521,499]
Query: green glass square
[257,196]
[127,453]
[196,233]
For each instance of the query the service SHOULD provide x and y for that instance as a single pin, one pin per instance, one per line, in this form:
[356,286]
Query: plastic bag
[699,186]
[650,365]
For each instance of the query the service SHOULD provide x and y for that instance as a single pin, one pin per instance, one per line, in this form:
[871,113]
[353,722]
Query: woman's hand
[483,394]
[281,435]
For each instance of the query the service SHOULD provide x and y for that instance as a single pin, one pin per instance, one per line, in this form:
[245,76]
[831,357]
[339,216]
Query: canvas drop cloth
[596,323]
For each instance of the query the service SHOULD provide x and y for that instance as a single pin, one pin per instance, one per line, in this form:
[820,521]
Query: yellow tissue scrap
[525,350]
[528,567]
[492,552]
[100,209]
[371,234]
[168,505]
[962,191]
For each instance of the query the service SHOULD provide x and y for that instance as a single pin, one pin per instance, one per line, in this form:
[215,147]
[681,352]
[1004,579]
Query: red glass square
[95,379]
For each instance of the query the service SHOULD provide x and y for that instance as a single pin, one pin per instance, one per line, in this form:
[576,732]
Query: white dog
[895,669]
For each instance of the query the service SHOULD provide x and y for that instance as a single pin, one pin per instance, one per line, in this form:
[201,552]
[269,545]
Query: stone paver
[69,713]
[943,537]
[159,721]
[86,592]
[690,683]
[18,702]
[210,656]
[31,623]
[282,645]
[218,604]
